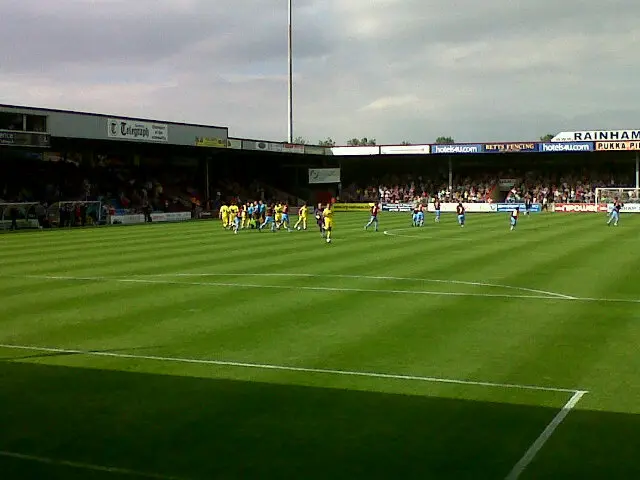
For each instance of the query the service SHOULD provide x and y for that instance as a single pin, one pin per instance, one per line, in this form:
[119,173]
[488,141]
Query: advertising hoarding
[211,142]
[510,147]
[617,146]
[405,149]
[135,130]
[24,139]
[344,151]
[351,207]
[510,207]
[324,175]
[456,149]
[597,135]
[565,147]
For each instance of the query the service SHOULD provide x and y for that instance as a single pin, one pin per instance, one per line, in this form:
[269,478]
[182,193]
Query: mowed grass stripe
[351,299]
[556,343]
[127,236]
[133,239]
[196,235]
[96,309]
[488,261]
[498,260]
[276,260]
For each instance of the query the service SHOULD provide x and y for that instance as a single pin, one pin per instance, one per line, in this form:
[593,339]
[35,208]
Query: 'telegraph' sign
[135,130]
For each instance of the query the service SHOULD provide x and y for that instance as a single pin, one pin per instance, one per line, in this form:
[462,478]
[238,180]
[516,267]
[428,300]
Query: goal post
[625,195]
[23,214]
[629,196]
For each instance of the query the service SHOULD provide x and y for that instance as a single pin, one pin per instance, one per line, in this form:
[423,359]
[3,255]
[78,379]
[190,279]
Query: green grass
[114,391]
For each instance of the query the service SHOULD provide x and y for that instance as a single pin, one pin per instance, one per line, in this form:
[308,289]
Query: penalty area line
[370,277]
[265,366]
[391,233]
[550,296]
[85,466]
[537,445]
[546,296]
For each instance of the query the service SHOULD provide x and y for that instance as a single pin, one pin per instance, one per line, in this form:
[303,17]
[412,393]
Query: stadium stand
[479,189]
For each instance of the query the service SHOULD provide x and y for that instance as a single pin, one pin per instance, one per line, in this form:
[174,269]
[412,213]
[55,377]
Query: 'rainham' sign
[597,135]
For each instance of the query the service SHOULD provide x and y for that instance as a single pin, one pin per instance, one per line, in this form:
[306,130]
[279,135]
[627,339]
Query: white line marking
[296,287]
[547,296]
[536,446]
[264,366]
[368,277]
[85,466]
[391,233]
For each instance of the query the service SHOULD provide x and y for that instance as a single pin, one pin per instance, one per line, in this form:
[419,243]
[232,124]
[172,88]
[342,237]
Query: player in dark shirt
[460,210]
[421,210]
[269,219]
[374,217]
[320,219]
[285,217]
[615,212]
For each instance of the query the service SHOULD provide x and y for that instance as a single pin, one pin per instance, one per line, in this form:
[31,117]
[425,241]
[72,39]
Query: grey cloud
[490,70]
[55,40]
[102,34]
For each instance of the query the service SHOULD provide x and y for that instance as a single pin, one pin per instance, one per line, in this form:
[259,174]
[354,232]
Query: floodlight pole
[290,76]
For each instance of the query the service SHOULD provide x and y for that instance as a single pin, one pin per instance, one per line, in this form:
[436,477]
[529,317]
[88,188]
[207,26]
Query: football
[328,240]
[299,228]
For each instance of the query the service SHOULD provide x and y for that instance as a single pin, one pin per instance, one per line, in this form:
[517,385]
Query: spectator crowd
[67,192]
[502,187]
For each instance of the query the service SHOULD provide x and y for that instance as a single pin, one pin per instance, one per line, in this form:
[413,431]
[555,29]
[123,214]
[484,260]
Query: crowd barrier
[593,208]
[579,208]
[156,217]
[351,207]
[444,207]
[627,208]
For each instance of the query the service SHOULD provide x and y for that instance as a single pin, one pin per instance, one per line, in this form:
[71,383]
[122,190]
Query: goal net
[629,196]
[20,215]
[625,195]
[75,213]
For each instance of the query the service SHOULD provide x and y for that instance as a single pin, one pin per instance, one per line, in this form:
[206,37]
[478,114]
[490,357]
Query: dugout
[87,157]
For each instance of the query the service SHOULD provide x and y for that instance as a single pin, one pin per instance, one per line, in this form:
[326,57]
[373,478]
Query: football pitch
[184,351]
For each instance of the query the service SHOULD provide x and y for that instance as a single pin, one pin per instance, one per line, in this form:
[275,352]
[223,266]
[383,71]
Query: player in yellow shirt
[278,214]
[328,222]
[245,216]
[224,215]
[233,212]
[303,211]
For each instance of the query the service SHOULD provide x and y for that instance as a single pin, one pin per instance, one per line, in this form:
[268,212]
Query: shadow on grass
[204,429]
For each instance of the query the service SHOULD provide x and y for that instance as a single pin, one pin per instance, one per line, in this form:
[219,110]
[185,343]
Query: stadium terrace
[102,168]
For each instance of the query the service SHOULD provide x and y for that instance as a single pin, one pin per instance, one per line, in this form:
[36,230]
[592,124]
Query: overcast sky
[394,70]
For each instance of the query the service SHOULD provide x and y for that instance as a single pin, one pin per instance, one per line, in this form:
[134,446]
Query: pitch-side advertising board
[579,207]
[156,217]
[628,208]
